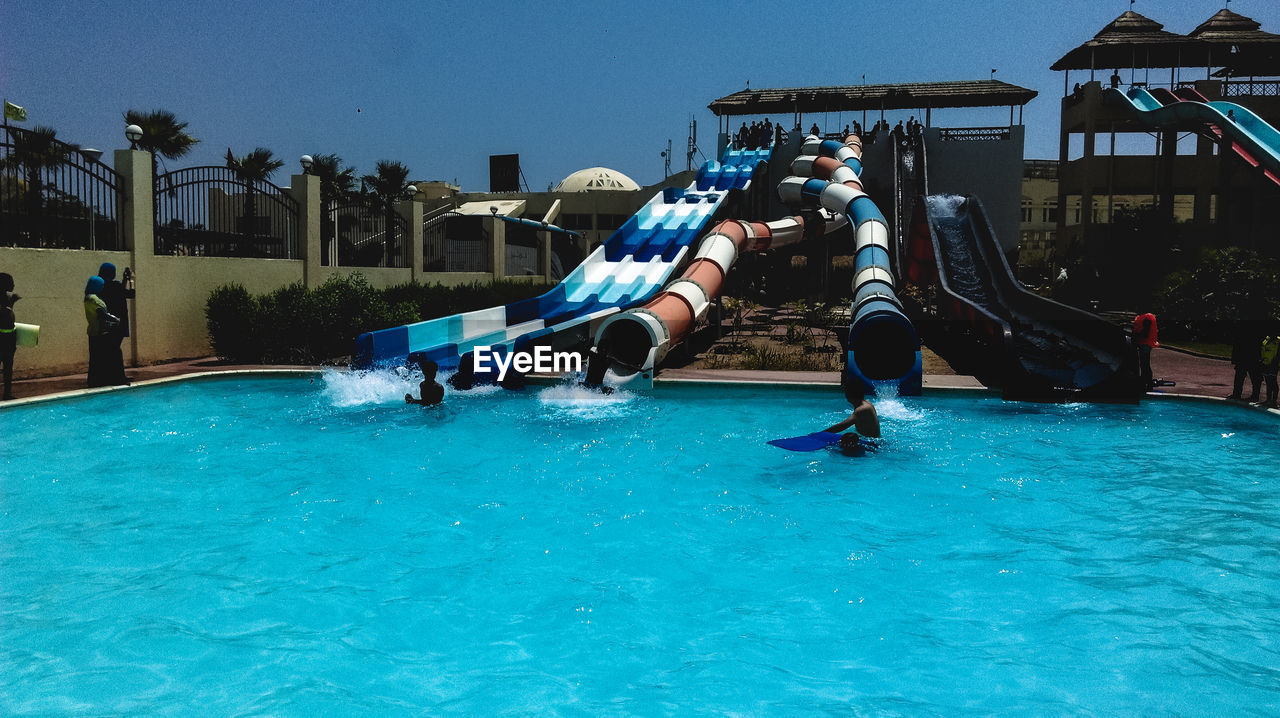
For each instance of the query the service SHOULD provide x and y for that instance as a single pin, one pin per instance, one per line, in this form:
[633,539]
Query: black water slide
[911,185]
[1033,347]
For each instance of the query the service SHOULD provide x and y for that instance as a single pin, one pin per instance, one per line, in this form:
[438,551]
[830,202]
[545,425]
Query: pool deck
[1196,376]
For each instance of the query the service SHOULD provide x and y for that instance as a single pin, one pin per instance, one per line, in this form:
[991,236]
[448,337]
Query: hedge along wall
[168,314]
[176,298]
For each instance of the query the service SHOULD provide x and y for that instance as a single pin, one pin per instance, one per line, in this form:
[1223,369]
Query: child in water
[865,421]
[431,391]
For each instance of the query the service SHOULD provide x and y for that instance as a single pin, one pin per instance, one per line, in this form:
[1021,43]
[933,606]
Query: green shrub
[231,314]
[1226,285]
[296,325]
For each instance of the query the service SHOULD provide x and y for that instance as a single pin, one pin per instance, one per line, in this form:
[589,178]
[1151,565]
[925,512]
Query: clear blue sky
[440,86]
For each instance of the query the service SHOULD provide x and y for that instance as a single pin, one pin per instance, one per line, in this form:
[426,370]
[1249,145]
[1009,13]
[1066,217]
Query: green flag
[13,112]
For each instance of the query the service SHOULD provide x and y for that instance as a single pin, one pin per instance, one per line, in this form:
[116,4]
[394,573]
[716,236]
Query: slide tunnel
[883,344]
[638,339]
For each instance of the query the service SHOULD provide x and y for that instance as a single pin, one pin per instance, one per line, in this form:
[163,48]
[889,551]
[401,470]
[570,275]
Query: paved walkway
[1195,375]
[45,386]
[935,381]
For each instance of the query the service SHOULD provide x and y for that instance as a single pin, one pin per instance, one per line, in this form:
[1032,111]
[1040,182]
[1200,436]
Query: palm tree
[388,183]
[252,169]
[337,183]
[35,152]
[162,134]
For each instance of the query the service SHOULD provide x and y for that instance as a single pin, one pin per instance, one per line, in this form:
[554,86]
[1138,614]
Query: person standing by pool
[1144,338]
[598,362]
[8,332]
[100,324]
[1246,355]
[1270,356]
[115,296]
[430,391]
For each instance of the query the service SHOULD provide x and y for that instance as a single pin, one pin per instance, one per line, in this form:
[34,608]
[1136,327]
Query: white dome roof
[596,178]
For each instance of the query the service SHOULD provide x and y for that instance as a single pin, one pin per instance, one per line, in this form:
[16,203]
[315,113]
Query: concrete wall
[180,286]
[988,169]
[167,316]
[51,284]
[380,277]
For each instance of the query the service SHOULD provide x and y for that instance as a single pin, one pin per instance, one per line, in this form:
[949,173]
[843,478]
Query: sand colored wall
[167,317]
[171,295]
[176,292]
[51,284]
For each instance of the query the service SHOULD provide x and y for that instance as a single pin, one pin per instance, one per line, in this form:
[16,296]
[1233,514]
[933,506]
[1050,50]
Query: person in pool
[866,424]
[597,364]
[431,391]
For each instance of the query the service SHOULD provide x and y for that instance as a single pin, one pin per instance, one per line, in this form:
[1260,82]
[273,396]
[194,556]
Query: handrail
[974,134]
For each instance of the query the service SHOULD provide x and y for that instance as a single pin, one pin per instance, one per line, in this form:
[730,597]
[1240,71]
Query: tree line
[35,152]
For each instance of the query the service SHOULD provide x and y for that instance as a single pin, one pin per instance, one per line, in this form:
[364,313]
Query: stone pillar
[1168,156]
[1225,215]
[412,211]
[1092,250]
[550,217]
[1204,184]
[306,190]
[138,220]
[498,248]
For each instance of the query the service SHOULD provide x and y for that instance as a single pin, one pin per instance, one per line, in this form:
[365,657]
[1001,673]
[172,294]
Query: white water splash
[376,386]
[388,386]
[569,400]
[890,405]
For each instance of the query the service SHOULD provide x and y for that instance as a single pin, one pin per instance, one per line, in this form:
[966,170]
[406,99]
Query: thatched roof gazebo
[1239,45]
[1235,44]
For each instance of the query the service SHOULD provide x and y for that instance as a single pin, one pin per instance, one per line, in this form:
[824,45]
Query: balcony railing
[1252,89]
[975,134]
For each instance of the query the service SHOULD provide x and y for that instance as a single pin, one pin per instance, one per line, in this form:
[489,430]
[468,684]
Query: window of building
[575,221]
[610,221]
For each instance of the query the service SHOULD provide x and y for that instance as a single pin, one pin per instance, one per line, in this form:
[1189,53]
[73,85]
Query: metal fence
[974,134]
[356,235]
[1241,88]
[455,242]
[56,195]
[210,211]
[434,233]
[524,251]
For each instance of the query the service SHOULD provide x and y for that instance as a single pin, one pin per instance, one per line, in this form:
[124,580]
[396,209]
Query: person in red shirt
[1144,338]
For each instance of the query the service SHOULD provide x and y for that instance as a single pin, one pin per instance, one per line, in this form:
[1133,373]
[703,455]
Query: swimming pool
[292,546]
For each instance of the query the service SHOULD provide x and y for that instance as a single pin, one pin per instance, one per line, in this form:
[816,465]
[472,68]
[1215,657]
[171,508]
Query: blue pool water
[290,546]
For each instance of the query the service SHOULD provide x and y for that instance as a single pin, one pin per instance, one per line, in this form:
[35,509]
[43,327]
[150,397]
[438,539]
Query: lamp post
[133,133]
[92,155]
[306,163]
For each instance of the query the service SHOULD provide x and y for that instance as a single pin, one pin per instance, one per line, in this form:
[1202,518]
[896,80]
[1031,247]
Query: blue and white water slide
[630,267]
[1239,123]
[883,344]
